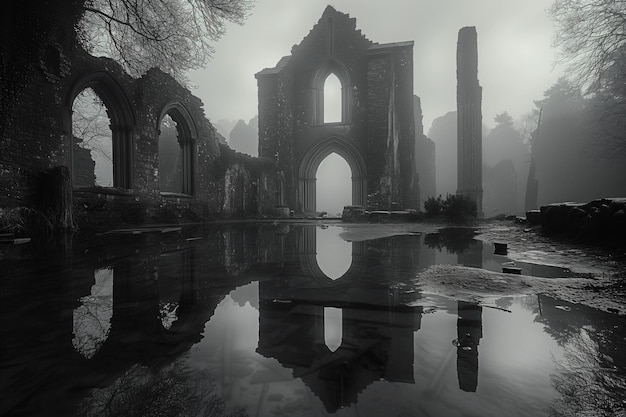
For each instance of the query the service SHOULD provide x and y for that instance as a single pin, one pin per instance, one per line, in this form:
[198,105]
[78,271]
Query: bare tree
[90,124]
[175,36]
[592,37]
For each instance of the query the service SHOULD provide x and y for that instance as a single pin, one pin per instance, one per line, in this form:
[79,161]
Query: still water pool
[292,320]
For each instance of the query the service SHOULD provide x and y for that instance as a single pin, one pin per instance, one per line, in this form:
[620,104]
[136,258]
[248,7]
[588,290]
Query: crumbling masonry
[376,132]
[38,139]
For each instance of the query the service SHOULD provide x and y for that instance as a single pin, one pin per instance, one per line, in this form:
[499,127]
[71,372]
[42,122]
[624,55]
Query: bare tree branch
[175,36]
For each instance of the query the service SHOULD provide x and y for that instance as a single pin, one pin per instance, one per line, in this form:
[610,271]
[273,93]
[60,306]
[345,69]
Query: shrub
[459,207]
[433,206]
[455,207]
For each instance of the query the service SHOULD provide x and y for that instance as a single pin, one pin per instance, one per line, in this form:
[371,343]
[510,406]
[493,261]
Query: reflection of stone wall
[469,332]
[376,344]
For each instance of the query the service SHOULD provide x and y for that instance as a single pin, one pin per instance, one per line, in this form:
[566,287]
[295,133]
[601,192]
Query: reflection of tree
[530,303]
[505,303]
[168,313]
[454,240]
[174,390]
[587,387]
[562,320]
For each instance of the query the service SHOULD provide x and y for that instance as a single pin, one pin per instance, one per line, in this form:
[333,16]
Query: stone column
[469,119]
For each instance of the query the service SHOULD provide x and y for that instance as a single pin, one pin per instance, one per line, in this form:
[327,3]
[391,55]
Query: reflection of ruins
[376,327]
[469,333]
[109,310]
[376,343]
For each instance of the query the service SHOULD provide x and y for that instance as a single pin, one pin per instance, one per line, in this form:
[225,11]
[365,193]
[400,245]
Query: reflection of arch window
[331,94]
[177,136]
[333,254]
[101,121]
[333,327]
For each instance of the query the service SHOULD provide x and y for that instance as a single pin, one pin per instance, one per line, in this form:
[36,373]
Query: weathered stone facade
[469,119]
[216,181]
[376,133]
[424,156]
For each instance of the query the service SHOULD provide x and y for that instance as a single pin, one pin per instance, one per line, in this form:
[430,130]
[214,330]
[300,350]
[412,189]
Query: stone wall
[602,218]
[38,137]
[276,120]
[424,156]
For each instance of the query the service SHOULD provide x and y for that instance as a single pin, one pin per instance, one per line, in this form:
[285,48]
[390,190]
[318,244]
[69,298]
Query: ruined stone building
[375,131]
[161,160]
[191,178]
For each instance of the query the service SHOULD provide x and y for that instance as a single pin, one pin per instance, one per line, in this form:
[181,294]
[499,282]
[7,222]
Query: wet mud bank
[481,286]
[577,271]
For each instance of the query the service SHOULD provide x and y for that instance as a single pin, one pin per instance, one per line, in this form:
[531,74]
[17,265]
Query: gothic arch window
[335,76]
[177,150]
[332,99]
[101,122]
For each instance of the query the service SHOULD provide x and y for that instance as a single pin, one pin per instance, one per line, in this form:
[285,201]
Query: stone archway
[187,138]
[122,119]
[314,156]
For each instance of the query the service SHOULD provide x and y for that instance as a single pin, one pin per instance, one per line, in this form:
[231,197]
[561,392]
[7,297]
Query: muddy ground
[599,270]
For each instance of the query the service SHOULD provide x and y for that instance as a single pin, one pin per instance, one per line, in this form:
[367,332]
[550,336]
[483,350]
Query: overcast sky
[516,60]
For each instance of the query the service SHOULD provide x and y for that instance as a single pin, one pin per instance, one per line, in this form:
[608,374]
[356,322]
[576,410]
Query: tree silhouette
[175,36]
[592,38]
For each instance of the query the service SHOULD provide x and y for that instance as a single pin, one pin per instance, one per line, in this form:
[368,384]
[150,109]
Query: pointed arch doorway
[313,157]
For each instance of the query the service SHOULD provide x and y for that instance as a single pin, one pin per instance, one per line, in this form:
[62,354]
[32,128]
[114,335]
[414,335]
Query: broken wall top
[339,40]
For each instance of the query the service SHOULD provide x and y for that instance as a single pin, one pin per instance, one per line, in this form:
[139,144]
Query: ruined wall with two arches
[210,179]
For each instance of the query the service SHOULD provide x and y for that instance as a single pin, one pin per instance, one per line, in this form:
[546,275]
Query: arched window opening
[177,150]
[170,157]
[92,141]
[333,185]
[333,254]
[332,99]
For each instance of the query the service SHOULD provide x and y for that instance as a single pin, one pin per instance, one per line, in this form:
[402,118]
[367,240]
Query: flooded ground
[290,319]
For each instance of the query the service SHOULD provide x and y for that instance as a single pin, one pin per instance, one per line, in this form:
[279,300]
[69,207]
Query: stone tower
[469,119]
